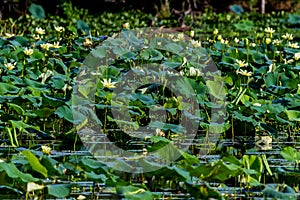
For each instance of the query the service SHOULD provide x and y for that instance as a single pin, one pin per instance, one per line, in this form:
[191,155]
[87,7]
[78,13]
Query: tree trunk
[263,3]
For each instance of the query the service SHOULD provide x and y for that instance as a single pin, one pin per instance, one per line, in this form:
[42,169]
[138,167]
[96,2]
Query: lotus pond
[247,140]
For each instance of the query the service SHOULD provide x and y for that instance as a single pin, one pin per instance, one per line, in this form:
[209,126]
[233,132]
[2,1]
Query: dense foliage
[40,61]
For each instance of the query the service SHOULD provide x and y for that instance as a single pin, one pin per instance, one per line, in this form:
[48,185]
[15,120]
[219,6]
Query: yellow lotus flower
[46,149]
[8,35]
[195,72]
[145,151]
[171,36]
[36,37]
[159,132]
[28,52]
[59,28]
[196,43]
[288,36]
[40,31]
[297,56]
[276,42]
[268,40]
[10,66]
[126,25]
[87,42]
[228,17]
[219,37]
[288,61]
[81,197]
[294,45]
[31,186]
[246,41]
[241,63]
[180,36]
[272,67]
[66,87]
[236,40]
[46,46]
[108,84]
[216,31]
[56,45]
[244,72]
[257,104]
[192,33]
[224,41]
[270,31]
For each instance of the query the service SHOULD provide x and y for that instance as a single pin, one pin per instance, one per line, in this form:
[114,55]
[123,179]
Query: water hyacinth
[108,84]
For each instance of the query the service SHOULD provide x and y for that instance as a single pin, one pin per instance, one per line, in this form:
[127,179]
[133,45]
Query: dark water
[198,147]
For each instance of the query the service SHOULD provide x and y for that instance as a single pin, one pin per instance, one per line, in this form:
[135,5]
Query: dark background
[16,8]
